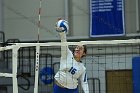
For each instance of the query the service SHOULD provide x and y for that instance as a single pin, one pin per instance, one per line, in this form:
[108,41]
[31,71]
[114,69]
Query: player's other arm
[84,82]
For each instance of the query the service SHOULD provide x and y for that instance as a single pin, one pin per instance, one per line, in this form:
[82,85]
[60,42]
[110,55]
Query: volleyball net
[108,63]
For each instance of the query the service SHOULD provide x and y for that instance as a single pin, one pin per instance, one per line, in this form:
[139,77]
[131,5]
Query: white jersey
[71,71]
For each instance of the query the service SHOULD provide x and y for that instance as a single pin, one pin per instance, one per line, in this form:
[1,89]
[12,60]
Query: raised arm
[64,48]
[62,28]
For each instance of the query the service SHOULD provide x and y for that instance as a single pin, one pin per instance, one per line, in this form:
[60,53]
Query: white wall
[21,17]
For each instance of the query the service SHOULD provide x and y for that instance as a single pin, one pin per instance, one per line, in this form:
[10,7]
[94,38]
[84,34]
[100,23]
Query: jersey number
[72,70]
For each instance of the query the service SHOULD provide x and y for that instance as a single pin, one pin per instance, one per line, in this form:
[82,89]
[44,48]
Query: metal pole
[137,15]
[37,69]
[1,15]
[14,69]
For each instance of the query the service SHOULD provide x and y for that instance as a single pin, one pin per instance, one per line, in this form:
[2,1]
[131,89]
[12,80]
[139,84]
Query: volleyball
[62,25]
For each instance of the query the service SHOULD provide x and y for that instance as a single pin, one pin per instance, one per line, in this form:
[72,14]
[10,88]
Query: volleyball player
[71,68]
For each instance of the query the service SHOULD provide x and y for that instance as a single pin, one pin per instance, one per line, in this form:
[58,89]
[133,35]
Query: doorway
[119,81]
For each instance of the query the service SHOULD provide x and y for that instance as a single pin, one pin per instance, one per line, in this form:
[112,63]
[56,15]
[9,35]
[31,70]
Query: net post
[14,68]
[37,69]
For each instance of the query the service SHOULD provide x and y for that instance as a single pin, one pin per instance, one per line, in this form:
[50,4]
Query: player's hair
[85,50]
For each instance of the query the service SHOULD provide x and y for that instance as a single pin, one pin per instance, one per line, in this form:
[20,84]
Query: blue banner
[136,74]
[106,18]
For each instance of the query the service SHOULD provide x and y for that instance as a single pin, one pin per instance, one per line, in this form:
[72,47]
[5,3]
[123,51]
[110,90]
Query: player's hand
[59,29]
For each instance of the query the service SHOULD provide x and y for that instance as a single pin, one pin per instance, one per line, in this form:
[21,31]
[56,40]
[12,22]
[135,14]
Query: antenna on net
[39,19]
[39,23]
